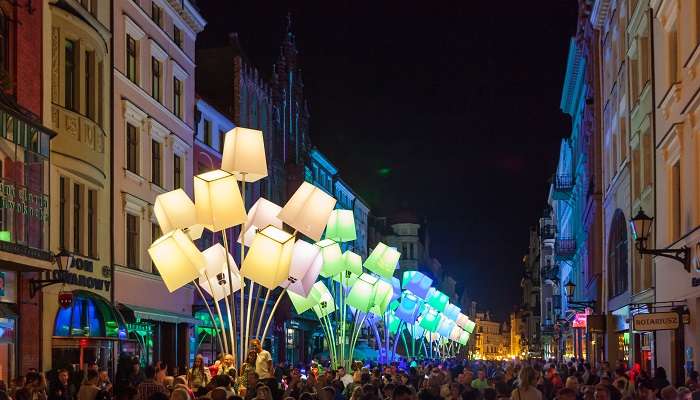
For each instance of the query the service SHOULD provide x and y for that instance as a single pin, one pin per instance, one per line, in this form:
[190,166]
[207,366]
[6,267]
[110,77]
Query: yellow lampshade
[261,214]
[175,210]
[214,279]
[244,154]
[341,226]
[218,201]
[305,267]
[308,210]
[269,257]
[178,260]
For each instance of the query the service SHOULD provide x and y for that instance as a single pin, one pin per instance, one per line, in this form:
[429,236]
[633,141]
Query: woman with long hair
[198,376]
[526,389]
[248,365]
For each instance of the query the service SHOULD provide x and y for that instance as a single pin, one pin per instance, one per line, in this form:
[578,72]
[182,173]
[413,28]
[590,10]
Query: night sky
[447,108]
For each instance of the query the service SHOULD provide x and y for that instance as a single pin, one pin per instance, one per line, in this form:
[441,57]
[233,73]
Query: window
[177,36]
[177,97]
[623,140]
[156,14]
[62,213]
[206,128]
[71,75]
[177,172]
[222,140]
[132,241]
[673,57]
[155,234]
[90,5]
[77,220]
[155,78]
[92,223]
[156,160]
[131,70]
[90,84]
[617,255]
[676,199]
[132,148]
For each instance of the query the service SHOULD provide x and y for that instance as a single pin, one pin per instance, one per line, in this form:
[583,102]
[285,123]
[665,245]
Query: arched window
[617,255]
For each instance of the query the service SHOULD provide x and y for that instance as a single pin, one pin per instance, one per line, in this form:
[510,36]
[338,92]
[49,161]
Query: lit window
[132,148]
[131,59]
[132,241]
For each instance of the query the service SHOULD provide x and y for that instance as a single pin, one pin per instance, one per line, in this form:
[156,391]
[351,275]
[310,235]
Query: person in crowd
[669,393]
[526,389]
[60,389]
[227,366]
[198,376]
[246,368]
[89,389]
[149,386]
[660,380]
[480,383]
[346,379]
[684,393]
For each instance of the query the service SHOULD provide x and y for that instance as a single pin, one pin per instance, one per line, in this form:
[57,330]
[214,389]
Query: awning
[152,314]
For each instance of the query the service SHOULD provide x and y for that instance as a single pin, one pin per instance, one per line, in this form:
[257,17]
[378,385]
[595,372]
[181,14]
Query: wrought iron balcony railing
[565,248]
[563,186]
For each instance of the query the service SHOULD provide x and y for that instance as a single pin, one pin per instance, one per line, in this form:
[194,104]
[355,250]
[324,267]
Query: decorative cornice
[189,13]
[575,69]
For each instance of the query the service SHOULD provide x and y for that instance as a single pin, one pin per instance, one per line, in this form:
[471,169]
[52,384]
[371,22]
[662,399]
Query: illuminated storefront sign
[656,321]
[579,320]
[75,277]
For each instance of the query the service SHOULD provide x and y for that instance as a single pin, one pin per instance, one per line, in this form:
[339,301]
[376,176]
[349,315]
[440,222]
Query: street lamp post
[574,305]
[63,260]
[641,226]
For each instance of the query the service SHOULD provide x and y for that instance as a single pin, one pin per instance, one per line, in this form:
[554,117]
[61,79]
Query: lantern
[383,260]
[175,210]
[244,154]
[262,214]
[218,201]
[333,261]
[308,210]
[178,260]
[341,226]
[269,257]
[304,269]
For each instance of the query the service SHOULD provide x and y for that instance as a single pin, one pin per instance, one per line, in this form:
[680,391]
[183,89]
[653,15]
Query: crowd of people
[426,380]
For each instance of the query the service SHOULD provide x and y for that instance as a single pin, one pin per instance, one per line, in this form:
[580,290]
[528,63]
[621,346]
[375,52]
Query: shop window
[132,241]
[617,255]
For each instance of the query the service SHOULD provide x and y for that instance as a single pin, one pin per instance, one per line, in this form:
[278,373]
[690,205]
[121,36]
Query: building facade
[77,48]
[154,124]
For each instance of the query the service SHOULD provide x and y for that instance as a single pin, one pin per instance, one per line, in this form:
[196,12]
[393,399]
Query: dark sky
[458,101]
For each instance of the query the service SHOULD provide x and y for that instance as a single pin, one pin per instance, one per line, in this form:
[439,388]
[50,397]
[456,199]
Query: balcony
[547,231]
[565,248]
[563,187]
[550,272]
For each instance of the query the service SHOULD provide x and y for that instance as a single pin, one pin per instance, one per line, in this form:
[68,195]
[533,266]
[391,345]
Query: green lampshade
[341,226]
[438,300]
[326,305]
[464,338]
[348,278]
[362,293]
[302,304]
[383,293]
[383,260]
[394,305]
[5,236]
[469,326]
[333,261]
[429,320]
[353,262]
[394,323]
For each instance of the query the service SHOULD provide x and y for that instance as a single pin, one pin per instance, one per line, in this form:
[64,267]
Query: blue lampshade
[446,326]
[396,285]
[409,308]
[417,282]
[452,312]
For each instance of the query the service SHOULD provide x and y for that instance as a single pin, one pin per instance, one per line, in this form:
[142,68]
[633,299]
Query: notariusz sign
[656,321]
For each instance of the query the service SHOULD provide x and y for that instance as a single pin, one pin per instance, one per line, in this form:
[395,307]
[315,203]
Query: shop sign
[656,321]
[78,279]
[579,320]
[23,201]
[596,323]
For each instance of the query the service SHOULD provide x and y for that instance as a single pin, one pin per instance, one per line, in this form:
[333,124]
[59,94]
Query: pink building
[154,124]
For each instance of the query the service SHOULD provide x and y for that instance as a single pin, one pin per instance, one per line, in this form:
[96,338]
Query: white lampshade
[308,210]
[462,320]
[263,213]
[304,269]
[175,210]
[244,154]
[178,260]
[456,334]
[218,201]
[216,270]
[269,257]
